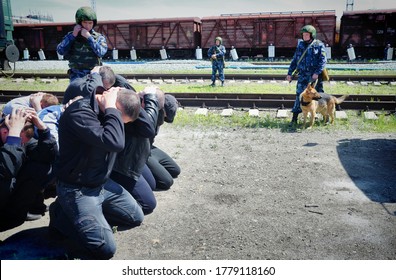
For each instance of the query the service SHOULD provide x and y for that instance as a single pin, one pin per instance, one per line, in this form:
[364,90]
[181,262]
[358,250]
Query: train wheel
[12,55]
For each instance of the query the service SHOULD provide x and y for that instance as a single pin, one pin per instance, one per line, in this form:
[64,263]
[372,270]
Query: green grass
[355,121]
[236,87]
[268,87]
[267,119]
[383,124]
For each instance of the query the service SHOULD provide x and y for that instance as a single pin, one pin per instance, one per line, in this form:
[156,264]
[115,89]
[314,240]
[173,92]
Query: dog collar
[304,103]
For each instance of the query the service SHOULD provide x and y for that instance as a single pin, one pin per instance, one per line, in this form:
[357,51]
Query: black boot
[213,84]
[293,122]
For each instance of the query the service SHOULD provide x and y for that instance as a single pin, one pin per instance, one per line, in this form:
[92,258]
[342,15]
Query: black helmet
[309,29]
[85,13]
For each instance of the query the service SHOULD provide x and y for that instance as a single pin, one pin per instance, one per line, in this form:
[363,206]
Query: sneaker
[33,217]
[212,84]
[222,84]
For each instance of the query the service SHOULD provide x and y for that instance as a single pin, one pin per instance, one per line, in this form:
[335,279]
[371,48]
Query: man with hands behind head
[25,165]
[89,203]
[83,47]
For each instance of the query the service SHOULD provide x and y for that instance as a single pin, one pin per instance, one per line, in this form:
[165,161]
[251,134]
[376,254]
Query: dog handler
[308,62]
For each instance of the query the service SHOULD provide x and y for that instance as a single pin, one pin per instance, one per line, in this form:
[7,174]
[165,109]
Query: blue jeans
[141,190]
[88,214]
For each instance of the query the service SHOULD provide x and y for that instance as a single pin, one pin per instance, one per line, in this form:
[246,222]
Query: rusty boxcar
[369,31]
[180,36]
[251,34]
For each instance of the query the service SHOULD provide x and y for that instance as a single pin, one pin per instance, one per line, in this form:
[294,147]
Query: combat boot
[293,122]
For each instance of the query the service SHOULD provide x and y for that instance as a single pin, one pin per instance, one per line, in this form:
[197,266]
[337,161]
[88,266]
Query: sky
[64,11]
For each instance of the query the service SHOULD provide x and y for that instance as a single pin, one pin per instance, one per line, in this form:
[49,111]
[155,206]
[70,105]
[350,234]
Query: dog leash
[314,83]
[295,72]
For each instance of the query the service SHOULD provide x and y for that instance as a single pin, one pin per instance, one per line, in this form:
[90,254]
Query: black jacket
[131,160]
[144,126]
[88,143]
[85,86]
[13,155]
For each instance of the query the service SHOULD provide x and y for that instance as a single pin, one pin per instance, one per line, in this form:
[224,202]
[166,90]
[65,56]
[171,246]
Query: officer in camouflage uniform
[216,54]
[83,46]
[310,68]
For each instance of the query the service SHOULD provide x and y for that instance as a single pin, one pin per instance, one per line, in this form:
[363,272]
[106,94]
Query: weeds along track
[248,100]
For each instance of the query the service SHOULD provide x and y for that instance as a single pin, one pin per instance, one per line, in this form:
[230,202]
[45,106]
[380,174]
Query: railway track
[368,78]
[243,100]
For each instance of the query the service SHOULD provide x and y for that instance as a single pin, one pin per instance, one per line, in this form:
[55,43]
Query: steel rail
[241,100]
[230,76]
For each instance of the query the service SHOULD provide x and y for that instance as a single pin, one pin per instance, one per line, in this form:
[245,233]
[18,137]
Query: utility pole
[93,5]
[349,5]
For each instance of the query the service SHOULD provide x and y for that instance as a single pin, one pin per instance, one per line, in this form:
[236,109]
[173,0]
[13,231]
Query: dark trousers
[163,167]
[142,190]
[30,184]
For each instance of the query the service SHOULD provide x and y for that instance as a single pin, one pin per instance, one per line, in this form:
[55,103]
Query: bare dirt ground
[258,194]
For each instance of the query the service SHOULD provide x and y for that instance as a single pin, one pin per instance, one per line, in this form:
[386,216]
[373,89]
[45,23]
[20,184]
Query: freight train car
[251,34]
[31,37]
[8,52]
[368,31]
[179,36]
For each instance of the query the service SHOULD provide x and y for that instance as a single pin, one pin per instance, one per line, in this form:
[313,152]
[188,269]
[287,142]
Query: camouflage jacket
[314,60]
[83,53]
[219,51]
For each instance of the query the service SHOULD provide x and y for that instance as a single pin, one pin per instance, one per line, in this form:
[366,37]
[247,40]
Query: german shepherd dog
[313,102]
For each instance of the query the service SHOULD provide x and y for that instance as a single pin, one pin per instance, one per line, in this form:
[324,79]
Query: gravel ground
[253,194]
[257,194]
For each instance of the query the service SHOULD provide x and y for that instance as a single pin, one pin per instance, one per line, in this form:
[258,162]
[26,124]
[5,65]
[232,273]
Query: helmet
[220,39]
[309,29]
[85,13]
